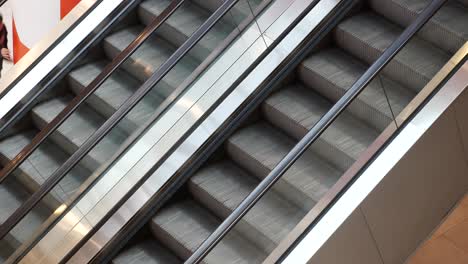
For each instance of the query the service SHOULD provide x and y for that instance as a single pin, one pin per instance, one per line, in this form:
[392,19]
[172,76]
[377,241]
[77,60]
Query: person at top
[3,43]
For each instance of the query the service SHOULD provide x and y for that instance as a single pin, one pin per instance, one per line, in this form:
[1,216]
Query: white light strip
[352,198]
[377,170]
[56,55]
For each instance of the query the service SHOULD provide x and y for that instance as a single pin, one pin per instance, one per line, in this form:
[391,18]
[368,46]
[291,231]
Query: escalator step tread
[222,186]
[331,72]
[77,129]
[146,252]
[5,251]
[184,225]
[367,35]
[296,110]
[259,148]
[113,93]
[41,164]
[186,20]
[12,195]
[446,29]
[148,57]
[253,151]
[240,9]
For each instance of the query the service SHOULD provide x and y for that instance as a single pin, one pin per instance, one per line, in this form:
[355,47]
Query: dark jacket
[3,42]
[4,37]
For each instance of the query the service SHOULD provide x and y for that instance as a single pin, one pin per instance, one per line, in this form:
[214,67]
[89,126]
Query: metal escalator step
[367,35]
[40,166]
[254,150]
[447,28]
[180,26]
[12,195]
[332,72]
[221,187]
[77,129]
[148,58]
[5,251]
[146,252]
[259,148]
[183,226]
[296,110]
[113,93]
[240,10]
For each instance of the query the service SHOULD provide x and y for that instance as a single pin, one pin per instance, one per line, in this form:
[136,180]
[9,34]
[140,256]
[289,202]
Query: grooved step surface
[446,29]
[252,151]
[186,20]
[331,72]
[77,129]
[259,148]
[239,11]
[296,109]
[12,195]
[146,252]
[40,165]
[113,93]
[5,250]
[183,226]
[221,187]
[367,35]
[148,58]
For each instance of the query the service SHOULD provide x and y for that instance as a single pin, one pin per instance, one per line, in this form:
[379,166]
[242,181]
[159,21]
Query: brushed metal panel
[354,231]
[418,191]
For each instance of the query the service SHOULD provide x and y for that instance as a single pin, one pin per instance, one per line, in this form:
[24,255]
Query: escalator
[54,151]
[176,231]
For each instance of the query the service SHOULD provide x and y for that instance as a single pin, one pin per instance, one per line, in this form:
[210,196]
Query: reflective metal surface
[382,164]
[56,55]
[170,128]
[199,136]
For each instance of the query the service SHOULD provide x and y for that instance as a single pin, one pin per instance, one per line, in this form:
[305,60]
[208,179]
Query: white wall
[412,199]
[5,10]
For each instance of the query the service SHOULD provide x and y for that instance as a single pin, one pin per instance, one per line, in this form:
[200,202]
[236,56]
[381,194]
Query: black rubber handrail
[88,91]
[180,90]
[144,213]
[314,133]
[117,116]
[3,2]
[122,8]
[62,171]
[220,12]
[27,103]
